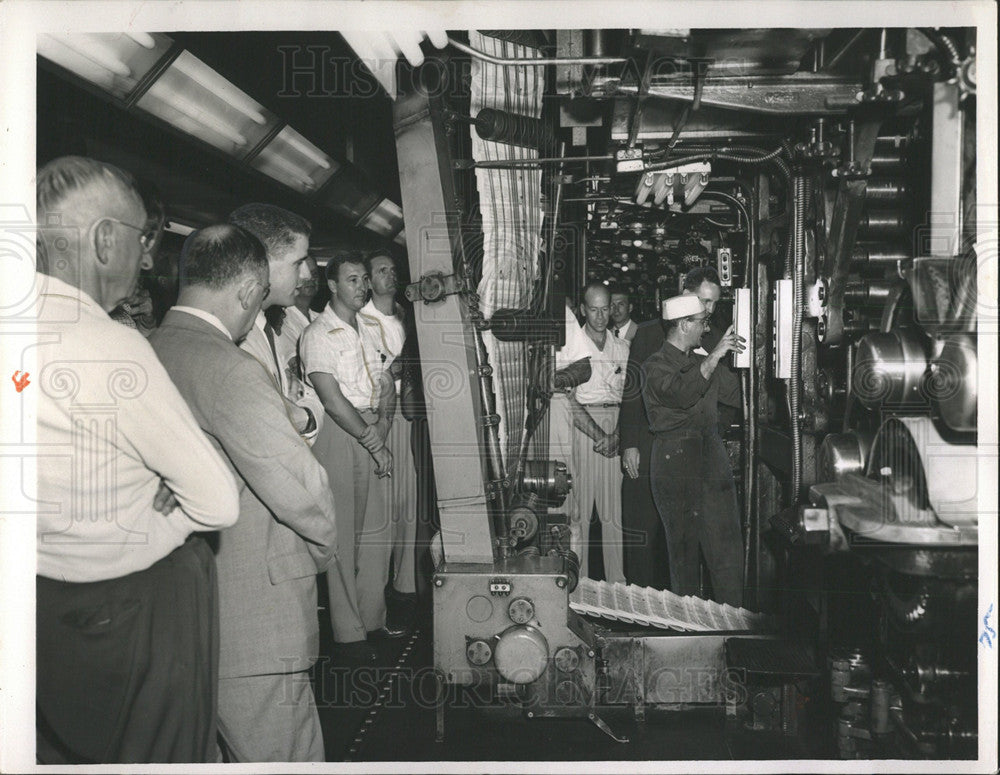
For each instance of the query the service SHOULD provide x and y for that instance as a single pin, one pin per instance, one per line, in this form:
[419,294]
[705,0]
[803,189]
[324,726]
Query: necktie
[615,332]
[274,352]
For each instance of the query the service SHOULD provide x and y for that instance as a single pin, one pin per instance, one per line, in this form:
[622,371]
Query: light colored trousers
[364,533]
[270,718]
[597,480]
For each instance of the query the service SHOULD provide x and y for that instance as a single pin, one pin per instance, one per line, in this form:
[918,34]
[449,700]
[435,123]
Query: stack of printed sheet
[660,608]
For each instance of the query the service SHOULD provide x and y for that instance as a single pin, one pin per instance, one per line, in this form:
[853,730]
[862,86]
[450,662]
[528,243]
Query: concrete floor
[387,713]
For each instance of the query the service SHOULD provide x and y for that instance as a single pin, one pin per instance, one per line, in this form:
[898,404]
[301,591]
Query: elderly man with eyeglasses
[691,477]
[126,598]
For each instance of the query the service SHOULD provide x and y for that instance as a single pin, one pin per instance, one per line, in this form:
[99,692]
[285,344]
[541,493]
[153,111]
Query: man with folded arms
[347,362]
[127,613]
[597,476]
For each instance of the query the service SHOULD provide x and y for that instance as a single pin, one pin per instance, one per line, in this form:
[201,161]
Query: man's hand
[381,427]
[371,440]
[607,445]
[630,462]
[164,501]
[730,342]
[383,462]
[301,419]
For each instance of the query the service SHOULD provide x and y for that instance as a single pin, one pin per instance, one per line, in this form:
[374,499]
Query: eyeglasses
[147,237]
[701,319]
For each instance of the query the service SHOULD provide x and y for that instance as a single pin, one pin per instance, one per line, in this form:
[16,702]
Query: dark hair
[620,289]
[219,255]
[699,275]
[342,257]
[274,226]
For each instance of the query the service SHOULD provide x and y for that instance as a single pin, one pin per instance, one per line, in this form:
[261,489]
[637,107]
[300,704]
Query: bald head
[224,271]
[221,255]
[596,307]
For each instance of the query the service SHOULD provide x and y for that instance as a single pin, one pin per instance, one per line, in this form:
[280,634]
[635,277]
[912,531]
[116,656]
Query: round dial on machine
[521,610]
[478,652]
[566,660]
[521,654]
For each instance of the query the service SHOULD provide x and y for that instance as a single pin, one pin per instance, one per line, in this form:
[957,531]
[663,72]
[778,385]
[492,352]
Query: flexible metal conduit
[748,380]
[798,280]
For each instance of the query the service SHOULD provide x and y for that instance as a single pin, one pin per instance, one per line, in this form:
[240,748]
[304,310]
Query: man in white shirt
[596,471]
[285,236]
[621,324]
[127,627]
[346,361]
[402,485]
[300,314]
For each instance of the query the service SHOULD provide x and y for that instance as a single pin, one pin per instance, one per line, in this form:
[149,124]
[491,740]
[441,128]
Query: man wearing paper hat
[691,477]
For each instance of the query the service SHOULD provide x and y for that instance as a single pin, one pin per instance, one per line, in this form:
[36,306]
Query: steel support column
[445,332]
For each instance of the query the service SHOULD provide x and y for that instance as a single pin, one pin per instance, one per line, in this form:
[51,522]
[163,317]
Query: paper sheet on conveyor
[661,608]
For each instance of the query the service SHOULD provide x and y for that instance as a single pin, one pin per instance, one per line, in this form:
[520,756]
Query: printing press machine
[802,164]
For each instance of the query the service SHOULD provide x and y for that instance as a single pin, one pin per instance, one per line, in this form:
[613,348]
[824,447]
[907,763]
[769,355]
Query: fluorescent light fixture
[196,99]
[401,238]
[114,62]
[386,219]
[291,159]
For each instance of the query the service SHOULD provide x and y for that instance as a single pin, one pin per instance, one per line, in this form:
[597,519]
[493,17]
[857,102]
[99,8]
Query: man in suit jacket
[285,237]
[286,532]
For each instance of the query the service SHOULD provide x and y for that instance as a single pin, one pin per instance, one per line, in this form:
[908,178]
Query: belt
[606,406]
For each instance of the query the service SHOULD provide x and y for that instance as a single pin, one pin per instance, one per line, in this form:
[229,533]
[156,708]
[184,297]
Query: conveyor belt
[660,608]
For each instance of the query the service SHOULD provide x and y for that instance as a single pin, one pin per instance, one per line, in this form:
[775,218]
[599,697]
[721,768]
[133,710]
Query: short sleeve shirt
[355,358]
[607,371]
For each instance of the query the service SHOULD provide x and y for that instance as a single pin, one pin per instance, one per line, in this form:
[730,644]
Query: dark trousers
[695,494]
[127,669]
[645,547]
[428,519]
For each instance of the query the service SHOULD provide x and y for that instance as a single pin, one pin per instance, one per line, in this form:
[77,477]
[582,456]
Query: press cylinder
[881,224]
[885,192]
[887,158]
[879,253]
[866,292]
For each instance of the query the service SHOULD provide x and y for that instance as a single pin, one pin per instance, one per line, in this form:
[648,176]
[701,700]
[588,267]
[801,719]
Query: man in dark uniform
[690,473]
[646,561]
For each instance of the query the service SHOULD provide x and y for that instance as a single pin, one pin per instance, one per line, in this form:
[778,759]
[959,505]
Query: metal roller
[879,253]
[867,292]
[952,383]
[841,454]
[883,192]
[887,158]
[889,369]
[882,223]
